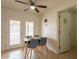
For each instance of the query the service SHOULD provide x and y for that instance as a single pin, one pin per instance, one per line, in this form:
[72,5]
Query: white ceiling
[15,5]
[18,6]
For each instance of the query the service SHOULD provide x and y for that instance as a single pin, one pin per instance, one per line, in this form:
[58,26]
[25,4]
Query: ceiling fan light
[32,7]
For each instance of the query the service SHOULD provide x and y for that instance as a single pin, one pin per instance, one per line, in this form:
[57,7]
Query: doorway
[67,29]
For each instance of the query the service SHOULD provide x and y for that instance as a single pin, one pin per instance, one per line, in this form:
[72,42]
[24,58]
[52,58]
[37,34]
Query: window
[14,32]
[29,28]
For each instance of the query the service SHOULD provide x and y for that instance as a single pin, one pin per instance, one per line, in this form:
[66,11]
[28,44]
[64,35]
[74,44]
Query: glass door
[14,32]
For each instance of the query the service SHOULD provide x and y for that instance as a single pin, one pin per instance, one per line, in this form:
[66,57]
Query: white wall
[73,28]
[8,14]
[51,31]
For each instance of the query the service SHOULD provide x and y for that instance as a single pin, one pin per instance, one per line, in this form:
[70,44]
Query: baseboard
[10,49]
[53,50]
[65,52]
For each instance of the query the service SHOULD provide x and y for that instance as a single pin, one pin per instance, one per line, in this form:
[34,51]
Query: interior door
[64,31]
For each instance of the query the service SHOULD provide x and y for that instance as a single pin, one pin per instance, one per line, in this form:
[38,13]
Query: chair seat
[33,43]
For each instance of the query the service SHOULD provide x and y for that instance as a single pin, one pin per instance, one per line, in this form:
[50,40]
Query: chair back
[29,37]
[36,36]
[33,43]
[43,41]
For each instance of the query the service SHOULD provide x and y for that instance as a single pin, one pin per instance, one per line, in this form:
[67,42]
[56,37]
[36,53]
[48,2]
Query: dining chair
[32,45]
[42,44]
[36,36]
[27,37]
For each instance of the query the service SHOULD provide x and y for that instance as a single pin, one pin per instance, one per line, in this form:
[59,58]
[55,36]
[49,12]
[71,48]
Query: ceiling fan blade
[22,2]
[32,3]
[41,6]
[36,10]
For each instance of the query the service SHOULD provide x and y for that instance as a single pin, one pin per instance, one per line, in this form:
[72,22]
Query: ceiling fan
[32,5]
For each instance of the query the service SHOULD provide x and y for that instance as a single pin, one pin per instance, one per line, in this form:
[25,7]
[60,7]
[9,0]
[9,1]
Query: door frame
[59,25]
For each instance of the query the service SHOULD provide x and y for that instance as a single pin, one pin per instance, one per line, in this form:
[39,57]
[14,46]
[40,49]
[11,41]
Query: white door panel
[64,32]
